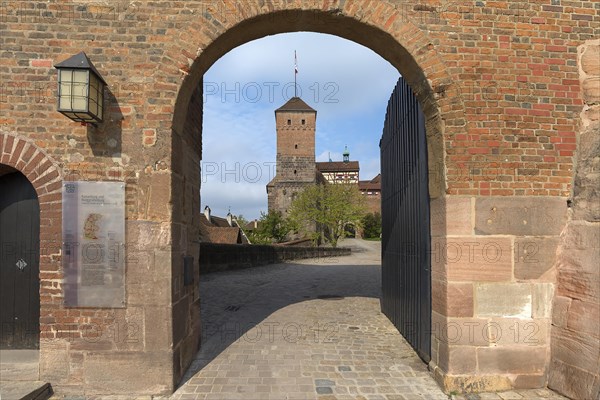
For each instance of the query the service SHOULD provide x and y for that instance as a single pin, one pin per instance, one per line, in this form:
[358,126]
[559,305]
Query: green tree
[371,224]
[323,211]
[272,228]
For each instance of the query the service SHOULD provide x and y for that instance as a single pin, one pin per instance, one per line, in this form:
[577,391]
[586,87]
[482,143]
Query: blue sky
[348,84]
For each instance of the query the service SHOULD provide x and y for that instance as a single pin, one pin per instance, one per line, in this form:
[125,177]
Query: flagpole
[295,74]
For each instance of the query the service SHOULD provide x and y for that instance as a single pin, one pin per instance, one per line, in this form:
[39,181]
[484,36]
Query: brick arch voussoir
[45,176]
[32,161]
[433,84]
[382,28]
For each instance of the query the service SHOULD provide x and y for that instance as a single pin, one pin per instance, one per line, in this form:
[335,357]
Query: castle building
[372,192]
[296,167]
[295,163]
[340,171]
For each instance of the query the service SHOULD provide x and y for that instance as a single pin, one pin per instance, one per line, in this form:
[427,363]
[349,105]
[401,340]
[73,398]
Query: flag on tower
[295,74]
[295,62]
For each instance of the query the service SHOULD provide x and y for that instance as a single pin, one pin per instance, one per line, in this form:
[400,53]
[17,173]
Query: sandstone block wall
[575,366]
[493,280]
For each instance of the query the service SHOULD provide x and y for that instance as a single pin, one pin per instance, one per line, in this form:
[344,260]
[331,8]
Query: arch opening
[414,59]
[413,56]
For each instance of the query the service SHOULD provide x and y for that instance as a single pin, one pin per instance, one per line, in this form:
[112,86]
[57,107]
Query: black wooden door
[19,263]
[406,241]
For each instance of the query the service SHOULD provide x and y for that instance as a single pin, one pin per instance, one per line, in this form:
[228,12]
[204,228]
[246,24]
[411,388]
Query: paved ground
[308,330]
[19,374]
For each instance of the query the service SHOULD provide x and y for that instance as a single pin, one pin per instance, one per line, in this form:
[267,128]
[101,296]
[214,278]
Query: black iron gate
[406,243]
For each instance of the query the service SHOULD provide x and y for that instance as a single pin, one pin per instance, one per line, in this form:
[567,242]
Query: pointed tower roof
[296,104]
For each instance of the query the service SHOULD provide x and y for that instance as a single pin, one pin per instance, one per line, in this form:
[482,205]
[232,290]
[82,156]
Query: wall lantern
[80,90]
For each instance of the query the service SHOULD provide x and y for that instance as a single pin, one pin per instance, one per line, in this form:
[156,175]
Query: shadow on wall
[106,139]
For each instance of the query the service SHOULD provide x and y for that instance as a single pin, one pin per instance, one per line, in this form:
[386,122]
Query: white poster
[94,244]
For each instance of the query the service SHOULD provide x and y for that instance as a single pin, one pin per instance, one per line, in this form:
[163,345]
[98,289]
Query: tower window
[303,122]
[289,121]
[295,172]
[296,146]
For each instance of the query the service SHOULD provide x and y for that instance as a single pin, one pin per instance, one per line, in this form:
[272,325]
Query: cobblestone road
[307,330]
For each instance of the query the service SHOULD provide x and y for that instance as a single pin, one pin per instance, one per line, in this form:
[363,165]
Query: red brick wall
[498,83]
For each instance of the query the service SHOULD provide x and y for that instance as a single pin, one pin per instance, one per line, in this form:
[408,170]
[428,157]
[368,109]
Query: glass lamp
[80,90]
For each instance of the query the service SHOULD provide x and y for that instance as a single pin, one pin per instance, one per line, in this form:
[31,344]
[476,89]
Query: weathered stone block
[584,317]
[140,265]
[512,360]
[128,372]
[586,192]
[590,60]
[530,381]
[575,348]
[592,114]
[460,300]
[180,320]
[473,384]
[152,292]
[439,296]
[520,216]
[451,215]
[452,299]
[503,300]
[577,267]
[572,381]
[474,258]
[560,311]
[54,361]
[157,338]
[516,331]
[462,331]
[543,293]
[534,256]
[147,235]
[458,360]
[129,328]
[591,90]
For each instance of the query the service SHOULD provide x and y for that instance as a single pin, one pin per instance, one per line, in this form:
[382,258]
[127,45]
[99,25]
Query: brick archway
[503,110]
[45,176]
[394,38]
[385,30]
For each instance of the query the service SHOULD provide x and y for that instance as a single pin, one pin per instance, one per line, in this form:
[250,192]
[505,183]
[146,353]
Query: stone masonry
[575,364]
[502,85]
[295,122]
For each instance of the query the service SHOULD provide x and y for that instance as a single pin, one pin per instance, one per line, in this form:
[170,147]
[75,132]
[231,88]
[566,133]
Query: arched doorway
[19,261]
[411,54]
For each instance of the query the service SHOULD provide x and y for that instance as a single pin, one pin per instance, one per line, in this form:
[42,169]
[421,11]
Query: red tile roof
[334,166]
[373,184]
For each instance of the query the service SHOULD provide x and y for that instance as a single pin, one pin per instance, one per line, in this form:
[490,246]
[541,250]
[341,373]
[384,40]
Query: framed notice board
[93,223]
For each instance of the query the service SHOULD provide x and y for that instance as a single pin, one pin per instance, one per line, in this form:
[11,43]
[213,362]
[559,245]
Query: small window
[289,121]
[295,146]
[303,122]
[295,172]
